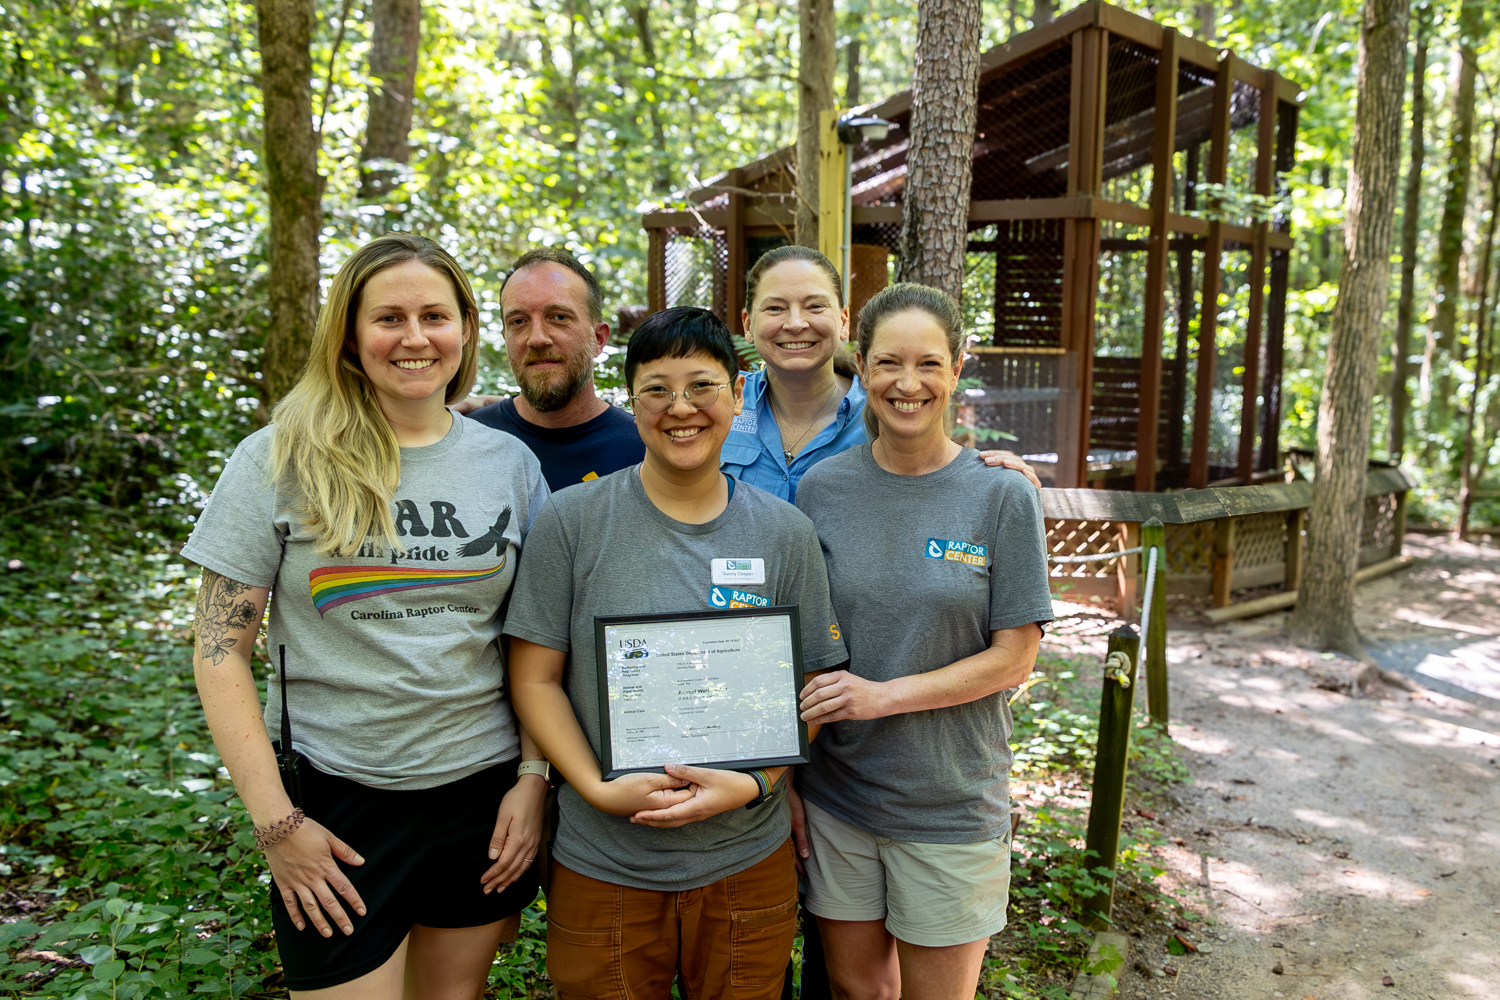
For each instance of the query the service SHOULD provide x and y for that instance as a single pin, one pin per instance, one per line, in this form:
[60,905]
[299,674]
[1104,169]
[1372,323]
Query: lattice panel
[1260,540]
[1190,548]
[1083,538]
[1379,527]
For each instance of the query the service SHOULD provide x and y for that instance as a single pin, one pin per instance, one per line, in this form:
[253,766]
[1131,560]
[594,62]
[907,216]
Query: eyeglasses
[659,399]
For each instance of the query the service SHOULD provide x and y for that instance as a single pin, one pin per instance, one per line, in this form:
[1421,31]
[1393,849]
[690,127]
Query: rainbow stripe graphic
[335,585]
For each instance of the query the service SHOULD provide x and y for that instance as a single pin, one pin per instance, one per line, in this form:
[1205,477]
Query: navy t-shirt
[590,450]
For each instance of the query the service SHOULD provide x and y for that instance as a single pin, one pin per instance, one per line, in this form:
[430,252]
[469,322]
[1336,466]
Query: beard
[548,392]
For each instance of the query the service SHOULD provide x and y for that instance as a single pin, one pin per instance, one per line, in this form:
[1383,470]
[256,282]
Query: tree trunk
[1325,601]
[1467,478]
[814,95]
[1042,12]
[290,156]
[851,75]
[1411,213]
[662,174]
[940,166]
[1207,22]
[395,37]
[1450,238]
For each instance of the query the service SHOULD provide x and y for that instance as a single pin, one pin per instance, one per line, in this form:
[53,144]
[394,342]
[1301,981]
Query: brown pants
[729,939]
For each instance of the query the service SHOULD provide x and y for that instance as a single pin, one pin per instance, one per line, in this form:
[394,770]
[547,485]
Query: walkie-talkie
[287,761]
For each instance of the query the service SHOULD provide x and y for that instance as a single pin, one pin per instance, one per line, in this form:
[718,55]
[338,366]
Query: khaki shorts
[931,895]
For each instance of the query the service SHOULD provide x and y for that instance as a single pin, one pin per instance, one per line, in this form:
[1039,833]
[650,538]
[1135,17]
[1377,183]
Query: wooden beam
[656,270]
[1288,92]
[833,162]
[1132,26]
[1265,180]
[1198,52]
[1027,43]
[1218,168]
[734,266]
[1223,566]
[1081,271]
[1270,433]
[1148,410]
[1216,502]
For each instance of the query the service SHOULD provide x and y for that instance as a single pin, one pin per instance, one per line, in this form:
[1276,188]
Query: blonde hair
[332,448]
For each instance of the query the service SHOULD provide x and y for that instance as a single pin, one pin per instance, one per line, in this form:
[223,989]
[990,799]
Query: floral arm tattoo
[221,609]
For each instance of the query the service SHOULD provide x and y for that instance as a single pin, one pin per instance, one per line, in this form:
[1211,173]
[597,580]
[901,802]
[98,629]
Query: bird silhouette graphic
[493,538]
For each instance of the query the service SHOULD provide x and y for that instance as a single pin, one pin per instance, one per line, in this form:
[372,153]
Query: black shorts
[424,852]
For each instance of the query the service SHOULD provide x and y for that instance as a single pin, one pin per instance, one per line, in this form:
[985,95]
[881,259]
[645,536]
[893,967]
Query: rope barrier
[1096,557]
[1150,588]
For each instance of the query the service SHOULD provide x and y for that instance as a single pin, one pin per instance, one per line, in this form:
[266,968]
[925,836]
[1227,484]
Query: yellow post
[833,174]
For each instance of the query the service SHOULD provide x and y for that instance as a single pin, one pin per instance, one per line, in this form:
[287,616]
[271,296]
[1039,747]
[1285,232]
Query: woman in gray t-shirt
[389,531]
[938,578]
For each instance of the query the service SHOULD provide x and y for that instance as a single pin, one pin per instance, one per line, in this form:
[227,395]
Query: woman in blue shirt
[799,409]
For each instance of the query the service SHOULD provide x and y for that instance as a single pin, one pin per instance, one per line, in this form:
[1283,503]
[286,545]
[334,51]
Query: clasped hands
[678,795]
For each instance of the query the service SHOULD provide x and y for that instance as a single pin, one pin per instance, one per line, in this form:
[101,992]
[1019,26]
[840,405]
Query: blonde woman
[389,531]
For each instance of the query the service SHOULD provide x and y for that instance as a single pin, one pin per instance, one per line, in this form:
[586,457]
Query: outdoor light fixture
[851,132]
[870,129]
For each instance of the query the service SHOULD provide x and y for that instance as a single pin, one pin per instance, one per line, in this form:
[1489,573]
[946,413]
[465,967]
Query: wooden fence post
[1399,528]
[1107,797]
[1154,535]
[1296,520]
[1223,571]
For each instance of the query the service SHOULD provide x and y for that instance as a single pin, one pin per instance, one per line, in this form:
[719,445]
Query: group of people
[437,578]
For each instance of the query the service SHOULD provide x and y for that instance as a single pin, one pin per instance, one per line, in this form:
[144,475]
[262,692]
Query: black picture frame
[601,667]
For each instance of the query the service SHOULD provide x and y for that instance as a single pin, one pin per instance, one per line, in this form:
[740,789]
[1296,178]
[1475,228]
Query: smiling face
[409,335]
[909,375]
[684,440]
[796,322]
[549,337]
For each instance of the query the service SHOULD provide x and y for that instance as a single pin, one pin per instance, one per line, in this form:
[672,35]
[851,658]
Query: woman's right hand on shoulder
[632,793]
[309,880]
[469,404]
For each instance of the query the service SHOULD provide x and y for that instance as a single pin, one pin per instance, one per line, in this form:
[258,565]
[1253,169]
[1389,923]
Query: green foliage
[1052,874]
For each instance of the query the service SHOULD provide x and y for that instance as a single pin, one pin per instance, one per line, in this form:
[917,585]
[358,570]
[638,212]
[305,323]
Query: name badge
[746,571]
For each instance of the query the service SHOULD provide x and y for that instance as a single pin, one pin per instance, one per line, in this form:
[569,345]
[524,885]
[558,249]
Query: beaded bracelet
[270,836]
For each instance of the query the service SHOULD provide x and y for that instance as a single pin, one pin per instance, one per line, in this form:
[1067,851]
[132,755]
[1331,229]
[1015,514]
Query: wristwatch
[541,767]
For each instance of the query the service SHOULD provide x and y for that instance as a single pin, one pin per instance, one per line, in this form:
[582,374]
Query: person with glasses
[686,873]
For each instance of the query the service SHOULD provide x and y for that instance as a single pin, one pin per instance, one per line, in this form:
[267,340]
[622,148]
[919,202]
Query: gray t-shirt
[394,674]
[922,570]
[603,548]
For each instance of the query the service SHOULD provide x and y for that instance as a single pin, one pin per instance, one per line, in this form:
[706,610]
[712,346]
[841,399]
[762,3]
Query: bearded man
[554,328]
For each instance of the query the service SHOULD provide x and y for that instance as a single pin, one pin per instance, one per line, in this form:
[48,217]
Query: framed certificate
[711,688]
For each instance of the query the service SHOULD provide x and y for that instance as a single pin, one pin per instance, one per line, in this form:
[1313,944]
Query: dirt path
[1340,847]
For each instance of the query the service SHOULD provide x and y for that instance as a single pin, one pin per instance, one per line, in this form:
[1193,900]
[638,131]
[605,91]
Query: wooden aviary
[1125,289]
[1127,267]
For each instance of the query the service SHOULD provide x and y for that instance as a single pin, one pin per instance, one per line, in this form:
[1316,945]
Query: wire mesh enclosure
[1126,267]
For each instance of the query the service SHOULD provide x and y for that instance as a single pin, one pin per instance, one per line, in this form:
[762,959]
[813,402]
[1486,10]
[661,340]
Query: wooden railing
[1218,540]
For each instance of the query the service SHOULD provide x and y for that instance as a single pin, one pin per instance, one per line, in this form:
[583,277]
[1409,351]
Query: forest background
[135,306]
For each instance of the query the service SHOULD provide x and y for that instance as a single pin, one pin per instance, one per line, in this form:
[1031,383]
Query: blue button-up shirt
[753,450]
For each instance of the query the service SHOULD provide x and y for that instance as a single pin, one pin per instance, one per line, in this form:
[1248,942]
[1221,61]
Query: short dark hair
[680,333]
[781,255]
[557,255]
